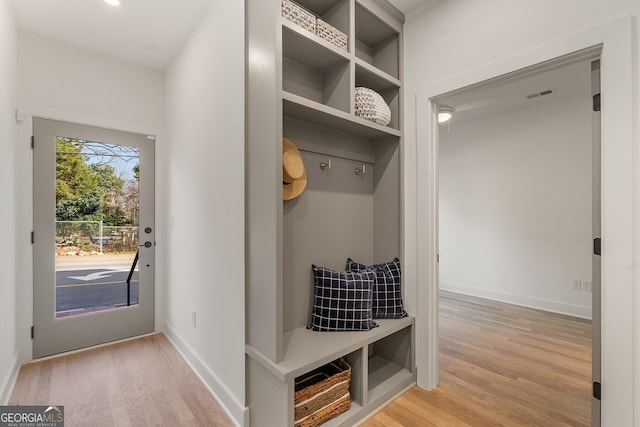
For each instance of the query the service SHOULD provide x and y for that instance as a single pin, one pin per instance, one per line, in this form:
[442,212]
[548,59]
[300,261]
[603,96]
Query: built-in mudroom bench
[381,367]
[303,70]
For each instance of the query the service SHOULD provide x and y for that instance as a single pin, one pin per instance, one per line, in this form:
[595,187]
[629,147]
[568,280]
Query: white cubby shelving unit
[301,87]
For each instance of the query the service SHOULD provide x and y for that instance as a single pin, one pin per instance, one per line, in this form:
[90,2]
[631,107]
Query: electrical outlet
[586,285]
[193,318]
[576,284]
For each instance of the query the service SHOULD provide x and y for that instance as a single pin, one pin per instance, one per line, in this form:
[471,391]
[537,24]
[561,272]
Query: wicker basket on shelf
[331,34]
[299,15]
[322,394]
[371,106]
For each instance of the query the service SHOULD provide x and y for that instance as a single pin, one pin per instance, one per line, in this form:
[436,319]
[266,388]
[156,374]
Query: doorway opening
[517,174]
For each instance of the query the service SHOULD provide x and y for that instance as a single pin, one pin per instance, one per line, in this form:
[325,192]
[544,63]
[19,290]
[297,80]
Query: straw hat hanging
[294,175]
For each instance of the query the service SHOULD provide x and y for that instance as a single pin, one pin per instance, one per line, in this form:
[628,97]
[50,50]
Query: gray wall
[340,214]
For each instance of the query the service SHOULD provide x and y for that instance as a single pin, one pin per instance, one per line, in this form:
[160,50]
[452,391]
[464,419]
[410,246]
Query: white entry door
[93,236]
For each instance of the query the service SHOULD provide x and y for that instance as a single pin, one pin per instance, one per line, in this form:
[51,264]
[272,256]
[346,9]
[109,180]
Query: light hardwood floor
[142,382]
[502,365]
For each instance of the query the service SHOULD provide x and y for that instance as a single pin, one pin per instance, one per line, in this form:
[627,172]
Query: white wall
[515,204]
[205,203]
[467,41]
[63,82]
[8,350]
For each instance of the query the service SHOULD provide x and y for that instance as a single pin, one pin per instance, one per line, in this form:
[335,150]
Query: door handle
[146,244]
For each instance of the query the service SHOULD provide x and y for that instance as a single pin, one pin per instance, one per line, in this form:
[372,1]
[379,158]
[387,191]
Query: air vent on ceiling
[539,94]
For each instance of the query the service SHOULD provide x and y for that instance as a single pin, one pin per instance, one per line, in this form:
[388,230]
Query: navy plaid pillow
[342,301]
[387,289]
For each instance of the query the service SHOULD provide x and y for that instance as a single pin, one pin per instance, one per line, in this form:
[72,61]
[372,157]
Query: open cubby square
[390,359]
[314,72]
[388,89]
[376,42]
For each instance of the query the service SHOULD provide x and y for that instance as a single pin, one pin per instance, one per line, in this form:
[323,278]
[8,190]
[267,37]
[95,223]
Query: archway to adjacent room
[518,186]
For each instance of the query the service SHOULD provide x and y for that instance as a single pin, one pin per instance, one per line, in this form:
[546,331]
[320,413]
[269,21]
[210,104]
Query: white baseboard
[6,387]
[238,413]
[583,312]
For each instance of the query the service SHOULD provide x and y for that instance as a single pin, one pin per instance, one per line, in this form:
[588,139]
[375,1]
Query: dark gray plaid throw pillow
[342,301]
[387,289]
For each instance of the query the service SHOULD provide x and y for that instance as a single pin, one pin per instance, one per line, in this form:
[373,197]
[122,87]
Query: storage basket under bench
[322,394]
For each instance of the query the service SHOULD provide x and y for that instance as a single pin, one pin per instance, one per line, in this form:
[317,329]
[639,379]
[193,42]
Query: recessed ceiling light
[444,113]
[113,2]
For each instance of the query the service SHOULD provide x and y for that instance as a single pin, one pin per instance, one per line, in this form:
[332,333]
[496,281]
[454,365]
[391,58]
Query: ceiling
[146,32]
[151,32]
[496,98]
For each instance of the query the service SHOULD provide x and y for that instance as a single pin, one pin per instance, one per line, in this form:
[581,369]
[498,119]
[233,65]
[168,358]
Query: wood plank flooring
[141,382]
[502,365]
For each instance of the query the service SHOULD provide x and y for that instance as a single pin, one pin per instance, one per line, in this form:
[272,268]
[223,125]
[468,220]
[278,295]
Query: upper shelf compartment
[313,68]
[305,48]
[333,12]
[377,43]
[369,76]
[387,86]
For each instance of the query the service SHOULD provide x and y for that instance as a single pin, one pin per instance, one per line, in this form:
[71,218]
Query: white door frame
[596,272]
[620,195]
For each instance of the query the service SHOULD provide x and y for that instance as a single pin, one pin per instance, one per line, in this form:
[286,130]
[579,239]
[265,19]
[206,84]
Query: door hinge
[596,390]
[596,102]
[438,258]
[33,238]
[32,332]
[597,246]
[33,141]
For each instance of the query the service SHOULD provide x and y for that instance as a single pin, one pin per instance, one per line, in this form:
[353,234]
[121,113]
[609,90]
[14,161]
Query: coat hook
[326,165]
[360,171]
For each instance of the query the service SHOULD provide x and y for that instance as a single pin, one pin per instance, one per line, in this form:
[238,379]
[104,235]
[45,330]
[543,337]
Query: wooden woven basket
[331,34]
[322,394]
[298,15]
